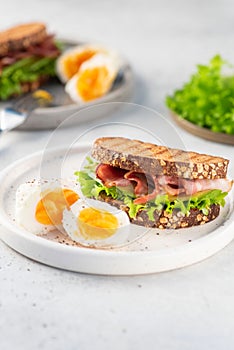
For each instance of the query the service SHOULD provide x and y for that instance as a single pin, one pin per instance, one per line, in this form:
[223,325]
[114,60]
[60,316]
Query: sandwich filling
[139,191]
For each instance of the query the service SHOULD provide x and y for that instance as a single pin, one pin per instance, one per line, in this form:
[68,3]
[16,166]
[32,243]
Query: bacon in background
[47,48]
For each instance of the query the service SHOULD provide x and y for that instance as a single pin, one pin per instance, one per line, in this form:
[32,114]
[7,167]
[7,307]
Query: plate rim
[6,223]
[201,132]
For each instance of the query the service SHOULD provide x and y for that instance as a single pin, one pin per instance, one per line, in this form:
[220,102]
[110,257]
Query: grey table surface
[191,308]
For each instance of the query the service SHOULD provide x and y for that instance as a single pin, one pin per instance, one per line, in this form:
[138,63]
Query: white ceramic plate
[51,117]
[157,250]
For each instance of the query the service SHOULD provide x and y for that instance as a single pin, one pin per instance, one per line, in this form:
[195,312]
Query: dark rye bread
[158,160]
[21,37]
[163,220]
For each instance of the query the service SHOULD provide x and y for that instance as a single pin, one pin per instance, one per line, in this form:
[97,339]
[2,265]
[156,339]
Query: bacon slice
[150,196]
[112,176]
[176,186]
[144,199]
[192,187]
[140,179]
[47,48]
[170,185]
[139,183]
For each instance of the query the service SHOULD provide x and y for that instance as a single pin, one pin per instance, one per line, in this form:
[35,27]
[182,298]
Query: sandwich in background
[156,186]
[27,58]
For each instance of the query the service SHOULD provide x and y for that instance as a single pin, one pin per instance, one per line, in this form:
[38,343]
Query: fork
[18,112]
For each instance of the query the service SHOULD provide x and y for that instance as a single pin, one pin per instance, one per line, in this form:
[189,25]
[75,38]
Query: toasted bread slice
[158,160]
[163,220]
[22,36]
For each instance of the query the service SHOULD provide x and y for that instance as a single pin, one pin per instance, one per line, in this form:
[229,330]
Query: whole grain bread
[149,158]
[163,220]
[21,36]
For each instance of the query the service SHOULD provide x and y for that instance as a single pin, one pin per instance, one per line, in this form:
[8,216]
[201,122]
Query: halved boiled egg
[40,205]
[69,63]
[94,78]
[96,224]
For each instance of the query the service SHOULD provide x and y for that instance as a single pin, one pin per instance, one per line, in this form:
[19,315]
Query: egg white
[27,197]
[120,237]
[110,61]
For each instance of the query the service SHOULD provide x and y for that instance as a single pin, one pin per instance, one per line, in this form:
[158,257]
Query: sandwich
[156,186]
[27,59]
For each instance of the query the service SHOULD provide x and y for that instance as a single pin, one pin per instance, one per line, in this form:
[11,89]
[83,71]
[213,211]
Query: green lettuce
[91,187]
[26,70]
[201,201]
[133,208]
[207,99]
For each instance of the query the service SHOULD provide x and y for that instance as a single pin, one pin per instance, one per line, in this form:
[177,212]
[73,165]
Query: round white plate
[157,250]
[51,117]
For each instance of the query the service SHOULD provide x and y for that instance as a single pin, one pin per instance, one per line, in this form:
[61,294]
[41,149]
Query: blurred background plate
[51,117]
[202,132]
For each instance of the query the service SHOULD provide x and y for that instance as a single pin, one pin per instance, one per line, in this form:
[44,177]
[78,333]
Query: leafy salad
[26,70]
[207,99]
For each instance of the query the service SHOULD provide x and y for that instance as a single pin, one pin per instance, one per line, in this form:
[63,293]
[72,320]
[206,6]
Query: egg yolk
[96,224]
[49,210]
[73,62]
[43,95]
[93,83]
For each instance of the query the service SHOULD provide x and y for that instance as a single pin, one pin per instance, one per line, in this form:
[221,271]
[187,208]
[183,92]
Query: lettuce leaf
[90,165]
[28,69]
[133,208]
[207,98]
[87,183]
[201,201]
[205,200]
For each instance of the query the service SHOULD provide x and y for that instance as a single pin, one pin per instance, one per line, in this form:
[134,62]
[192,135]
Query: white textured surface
[192,308]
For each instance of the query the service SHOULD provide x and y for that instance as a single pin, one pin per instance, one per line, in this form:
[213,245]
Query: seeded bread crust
[163,220]
[22,36]
[149,158]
